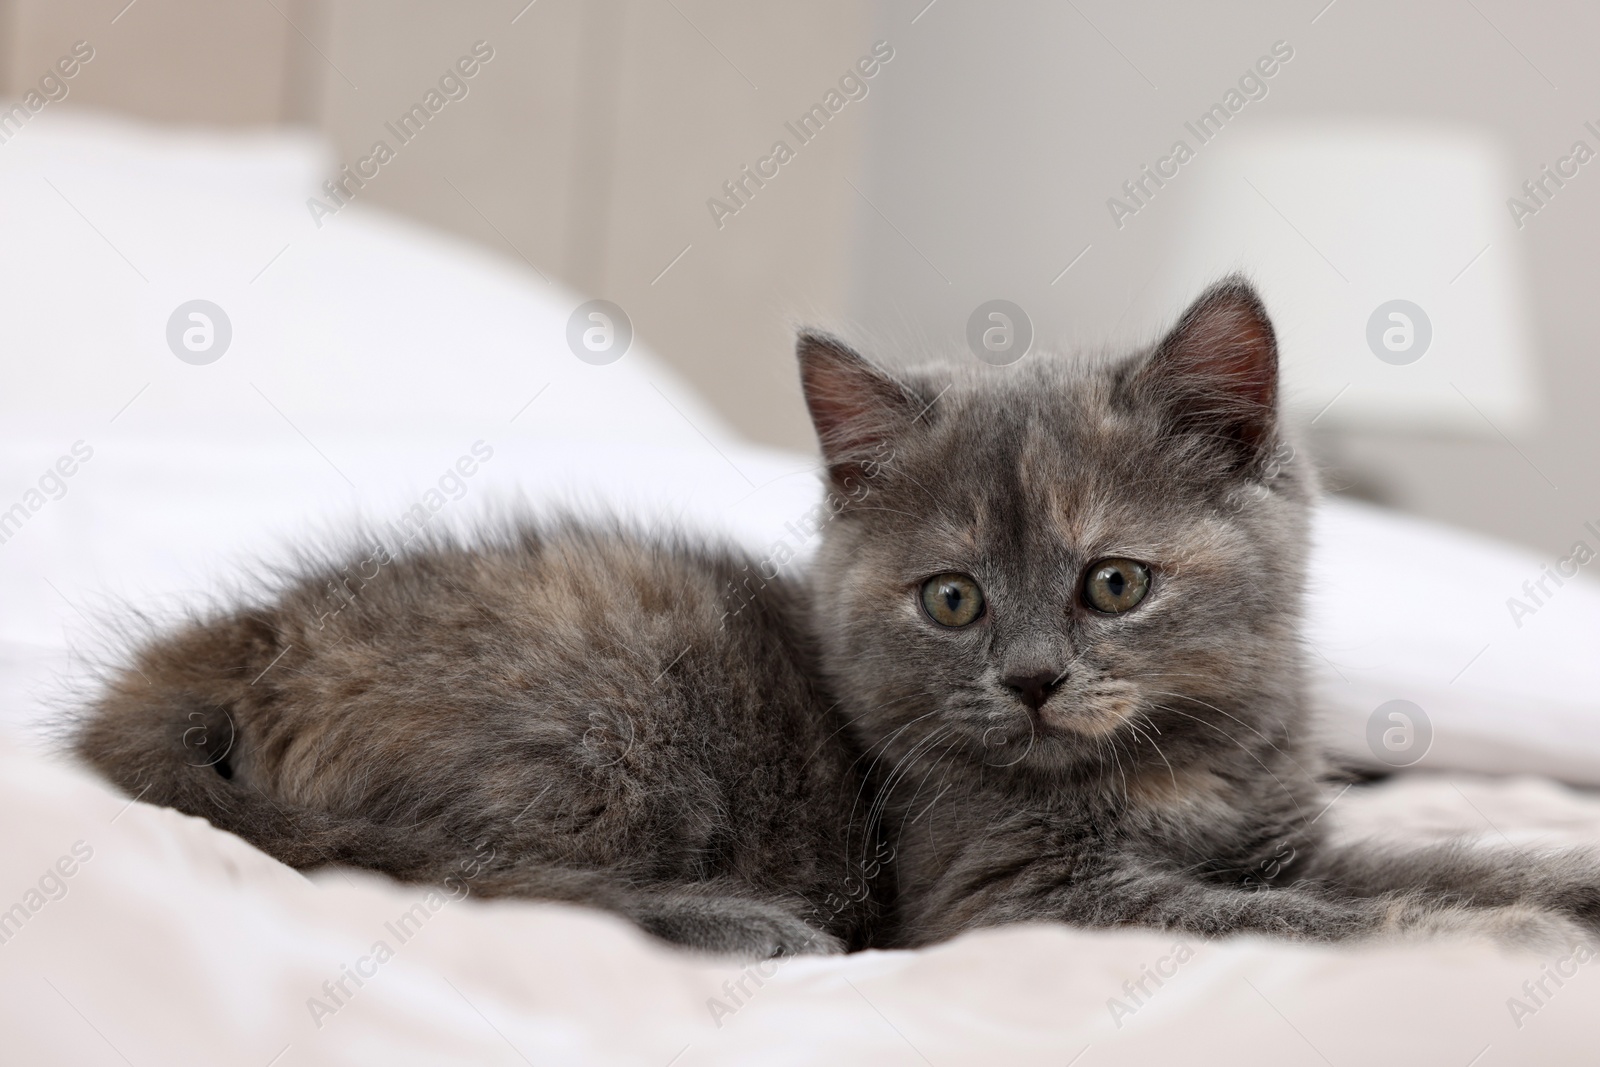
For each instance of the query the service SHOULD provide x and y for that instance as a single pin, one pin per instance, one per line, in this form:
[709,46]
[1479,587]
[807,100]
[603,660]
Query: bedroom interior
[370,318]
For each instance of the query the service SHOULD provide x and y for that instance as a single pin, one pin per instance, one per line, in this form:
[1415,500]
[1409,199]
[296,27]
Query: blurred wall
[977,166]
[173,60]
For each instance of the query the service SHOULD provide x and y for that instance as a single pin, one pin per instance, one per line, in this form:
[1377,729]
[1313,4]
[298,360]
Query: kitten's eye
[1116,585]
[952,599]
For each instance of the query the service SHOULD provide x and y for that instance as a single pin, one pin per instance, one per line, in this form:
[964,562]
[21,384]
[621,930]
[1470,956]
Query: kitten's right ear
[857,409]
[1216,373]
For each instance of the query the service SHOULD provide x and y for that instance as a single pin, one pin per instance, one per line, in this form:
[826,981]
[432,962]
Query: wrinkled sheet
[175,943]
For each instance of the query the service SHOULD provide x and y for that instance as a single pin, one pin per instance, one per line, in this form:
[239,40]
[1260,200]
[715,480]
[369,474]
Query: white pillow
[1402,609]
[366,358]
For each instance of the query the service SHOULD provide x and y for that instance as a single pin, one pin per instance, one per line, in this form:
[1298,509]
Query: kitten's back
[581,698]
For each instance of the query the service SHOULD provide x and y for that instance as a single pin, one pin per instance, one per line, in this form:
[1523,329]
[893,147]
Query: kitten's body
[575,715]
[570,714]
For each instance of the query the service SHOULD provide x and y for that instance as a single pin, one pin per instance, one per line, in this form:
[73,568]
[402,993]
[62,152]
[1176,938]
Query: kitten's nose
[1034,688]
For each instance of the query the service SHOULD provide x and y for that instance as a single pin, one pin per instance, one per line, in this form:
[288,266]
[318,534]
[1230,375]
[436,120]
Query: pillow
[366,359]
[1495,674]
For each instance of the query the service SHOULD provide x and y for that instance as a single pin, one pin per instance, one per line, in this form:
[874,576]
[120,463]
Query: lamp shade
[1389,261]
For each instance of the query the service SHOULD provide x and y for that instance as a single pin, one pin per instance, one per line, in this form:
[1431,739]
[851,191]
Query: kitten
[1068,618]
[1046,666]
[562,712]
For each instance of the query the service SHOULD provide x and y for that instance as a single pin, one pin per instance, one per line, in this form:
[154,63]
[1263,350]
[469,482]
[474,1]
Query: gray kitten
[559,712]
[1047,662]
[1068,619]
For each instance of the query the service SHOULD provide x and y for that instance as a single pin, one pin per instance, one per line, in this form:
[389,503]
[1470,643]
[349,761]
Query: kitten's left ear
[1216,373]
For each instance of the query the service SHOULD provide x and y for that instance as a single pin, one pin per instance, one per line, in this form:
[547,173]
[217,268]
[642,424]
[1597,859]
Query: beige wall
[179,60]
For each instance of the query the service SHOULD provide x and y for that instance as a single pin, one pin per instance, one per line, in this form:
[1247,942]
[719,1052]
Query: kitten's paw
[733,926]
[1518,925]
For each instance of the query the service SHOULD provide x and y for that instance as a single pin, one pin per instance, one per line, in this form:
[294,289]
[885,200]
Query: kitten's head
[1047,566]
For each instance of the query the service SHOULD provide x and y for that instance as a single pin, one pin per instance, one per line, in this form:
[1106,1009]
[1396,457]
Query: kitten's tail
[170,729]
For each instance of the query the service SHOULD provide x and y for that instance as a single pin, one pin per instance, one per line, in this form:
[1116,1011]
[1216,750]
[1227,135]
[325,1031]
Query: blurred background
[1361,161]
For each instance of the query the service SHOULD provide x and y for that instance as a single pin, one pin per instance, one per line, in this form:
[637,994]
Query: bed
[366,355]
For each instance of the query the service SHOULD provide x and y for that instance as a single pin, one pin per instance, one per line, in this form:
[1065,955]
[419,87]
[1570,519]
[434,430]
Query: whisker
[943,789]
[1170,772]
[1292,798]
[875,813]
[1235,718]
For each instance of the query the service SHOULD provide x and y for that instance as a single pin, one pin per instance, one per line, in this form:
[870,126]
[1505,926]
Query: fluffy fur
[566,713]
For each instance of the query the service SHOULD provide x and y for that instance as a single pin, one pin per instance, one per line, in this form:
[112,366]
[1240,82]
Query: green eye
[952,599]
[1116,585]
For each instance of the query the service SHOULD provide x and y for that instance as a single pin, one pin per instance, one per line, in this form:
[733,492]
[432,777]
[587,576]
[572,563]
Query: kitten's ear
[857,409]
[1216,373]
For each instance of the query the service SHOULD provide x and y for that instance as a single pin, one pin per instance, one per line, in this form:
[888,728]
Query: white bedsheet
[175,943]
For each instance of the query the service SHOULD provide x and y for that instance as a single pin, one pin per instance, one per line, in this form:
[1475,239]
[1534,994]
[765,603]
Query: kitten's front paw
[1518,926]
[734,927]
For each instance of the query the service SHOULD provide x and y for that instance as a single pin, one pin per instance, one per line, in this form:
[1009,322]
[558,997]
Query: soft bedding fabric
[174,943]
[368,357]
